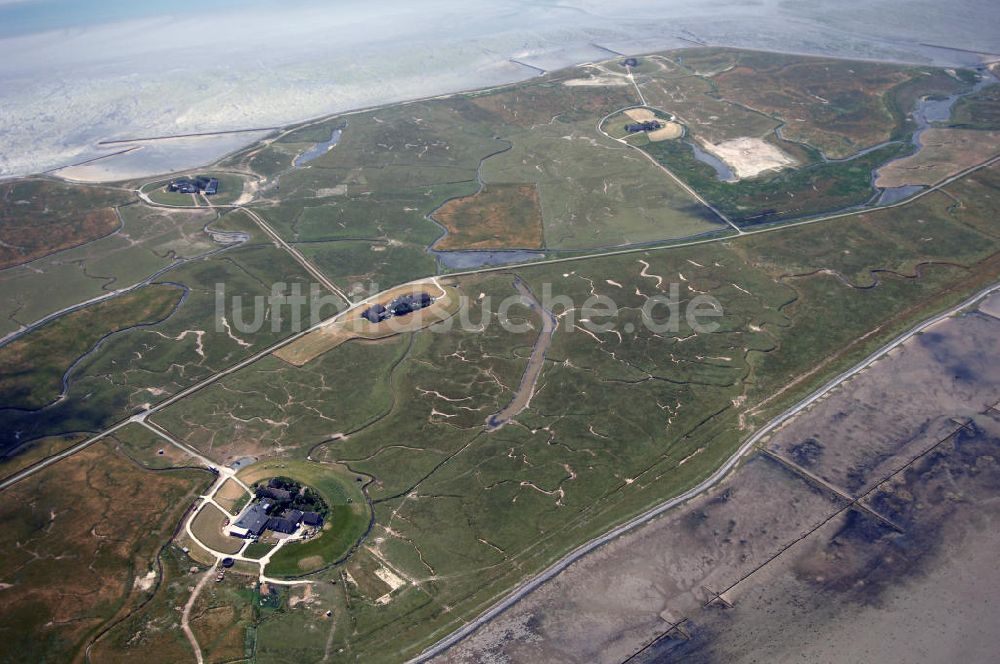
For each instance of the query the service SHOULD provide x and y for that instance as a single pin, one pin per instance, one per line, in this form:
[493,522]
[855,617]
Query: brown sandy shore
[865,529]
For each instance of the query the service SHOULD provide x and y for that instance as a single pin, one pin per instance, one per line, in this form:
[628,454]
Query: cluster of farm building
[648,125]
[401,306]
[276,508]
[200,184]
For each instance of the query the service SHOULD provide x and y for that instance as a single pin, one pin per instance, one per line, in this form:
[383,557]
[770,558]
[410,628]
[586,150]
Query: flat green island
[752,187]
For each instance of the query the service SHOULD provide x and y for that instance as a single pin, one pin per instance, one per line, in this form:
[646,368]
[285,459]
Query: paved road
[631,77]
[530,585]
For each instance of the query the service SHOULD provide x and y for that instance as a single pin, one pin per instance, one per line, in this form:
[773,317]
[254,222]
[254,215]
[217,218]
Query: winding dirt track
[186,615]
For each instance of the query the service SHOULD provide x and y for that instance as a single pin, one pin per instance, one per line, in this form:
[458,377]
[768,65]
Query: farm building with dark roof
[273,493]
[312,519]
[375,313]
[282,525]
[254,520]
[292,515]
[649,125]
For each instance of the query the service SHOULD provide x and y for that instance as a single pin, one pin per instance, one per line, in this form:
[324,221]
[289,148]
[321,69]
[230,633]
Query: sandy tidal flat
[749,157]
[63,88]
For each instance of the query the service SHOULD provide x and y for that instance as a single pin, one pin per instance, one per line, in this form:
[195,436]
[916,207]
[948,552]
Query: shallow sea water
[76,72]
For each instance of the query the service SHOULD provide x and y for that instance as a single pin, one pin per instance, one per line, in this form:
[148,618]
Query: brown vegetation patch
[944,152]
[640,114]
[500,216]
[38,217]
[156,628]
[220,630]
[32,452]
[76,536]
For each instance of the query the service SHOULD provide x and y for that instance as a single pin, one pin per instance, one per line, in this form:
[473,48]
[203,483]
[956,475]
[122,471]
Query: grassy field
[155,627]
[150,450]
[944,153]
[300,611]
[359,211]
[791,193]
[150,240]
[592,191]
[159,194]
[461,515]
[35,364]
[40,217]
[209,527]
[258,549]
[980,110]
[675,86]
[221,617]
[837,106]
[79,548]
[273,407]
[539,102]
[346,521]
[138,367]
[19,458]
[816,106]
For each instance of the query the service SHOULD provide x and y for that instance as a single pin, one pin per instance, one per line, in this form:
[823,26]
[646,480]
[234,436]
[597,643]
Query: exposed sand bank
[749,156]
